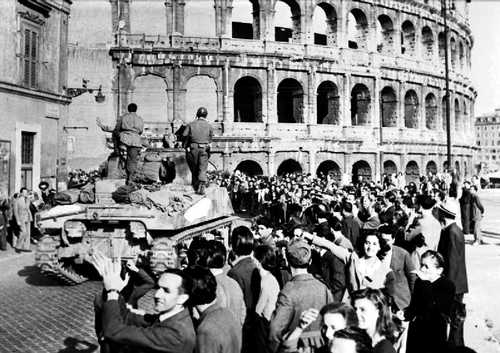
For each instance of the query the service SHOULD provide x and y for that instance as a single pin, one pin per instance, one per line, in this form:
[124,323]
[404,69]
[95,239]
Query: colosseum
[342,86]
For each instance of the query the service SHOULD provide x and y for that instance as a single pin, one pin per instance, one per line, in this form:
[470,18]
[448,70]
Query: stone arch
[149,92]
[411,109]
[412,172]
[290,101]
[453,53]
[431,168]
[390,167]
[327,103]
[430,111]
[361,169]
[325,24]
[427,43]
[441,47]
[289,166]
[286,20]
[194,10]
[201,91]
[245,19]
[247,100]
[388,107]
[357,29]
[458,118]
[408,35]
[329,167]
[385,34]
[360,105]
[249,167]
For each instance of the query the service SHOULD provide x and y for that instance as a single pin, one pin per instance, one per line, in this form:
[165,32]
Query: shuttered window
[30,57]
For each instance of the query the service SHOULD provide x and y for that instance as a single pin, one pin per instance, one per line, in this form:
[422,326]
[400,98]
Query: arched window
[390,167]
[290,101]
[411,109]
[357,29]
[325,25]
[427,43]
[195,10]
[327,103]
[453,53]
[286,21]
[458,117]
[431,168]
[412,172]
[201,91]
[247,100]
[360,105]
[250,168]
[389,107]
[150,94]
[407,38]
[245,19]
[361,172]
[430,112]
[385,35]
[329,168]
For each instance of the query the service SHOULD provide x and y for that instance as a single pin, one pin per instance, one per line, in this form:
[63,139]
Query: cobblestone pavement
[38,315]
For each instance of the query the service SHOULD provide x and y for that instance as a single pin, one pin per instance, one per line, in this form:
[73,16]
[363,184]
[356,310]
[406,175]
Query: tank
[157,229]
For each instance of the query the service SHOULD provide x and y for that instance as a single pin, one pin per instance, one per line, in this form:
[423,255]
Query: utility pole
[444,9]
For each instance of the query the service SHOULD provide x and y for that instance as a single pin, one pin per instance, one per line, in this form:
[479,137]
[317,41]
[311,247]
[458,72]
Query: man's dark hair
[390,196]
[197,252]
[242,241]
[264,221]
[186,283]
[204,285]
[22,189]
[387,229]
[266,256]
[347,207]
[359,336]
[132,107]
[216,254]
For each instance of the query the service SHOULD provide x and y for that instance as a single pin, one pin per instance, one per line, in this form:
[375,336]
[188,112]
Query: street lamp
[75,92]
[444,9]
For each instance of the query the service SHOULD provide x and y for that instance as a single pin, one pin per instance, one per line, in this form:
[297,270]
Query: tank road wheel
[163,255]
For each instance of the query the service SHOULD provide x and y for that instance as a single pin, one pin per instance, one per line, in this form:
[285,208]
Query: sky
[485,24]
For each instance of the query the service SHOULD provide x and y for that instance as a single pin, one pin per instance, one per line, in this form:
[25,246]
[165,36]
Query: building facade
[340,86]
[33,72]
[488,140]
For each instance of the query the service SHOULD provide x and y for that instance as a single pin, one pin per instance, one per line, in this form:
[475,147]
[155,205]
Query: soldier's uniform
[198,136]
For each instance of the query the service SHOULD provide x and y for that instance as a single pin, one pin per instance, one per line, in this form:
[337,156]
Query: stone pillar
[268,24]
[401,105]
[372,30]
[307,27]
[342,25]
[346,95]
[271,156]
[376,123]
[418,39]
[311,96]
[272,114]
[223,108]
[179,16]
[120,10]
[226,160]
[228,15]
[312,161]
[169,17]
[421,120]
[397,34]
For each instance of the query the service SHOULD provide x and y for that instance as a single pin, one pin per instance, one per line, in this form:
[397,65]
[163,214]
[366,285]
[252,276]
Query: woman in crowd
[365,269]
[374,316]
[430,307]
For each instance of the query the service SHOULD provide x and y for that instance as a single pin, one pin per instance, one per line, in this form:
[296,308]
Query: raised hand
[110,271]
[308,317]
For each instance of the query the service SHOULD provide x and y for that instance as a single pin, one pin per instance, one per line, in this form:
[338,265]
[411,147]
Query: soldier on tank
[197,138]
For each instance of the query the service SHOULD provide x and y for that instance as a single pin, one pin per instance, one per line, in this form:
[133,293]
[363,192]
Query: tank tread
[63,274]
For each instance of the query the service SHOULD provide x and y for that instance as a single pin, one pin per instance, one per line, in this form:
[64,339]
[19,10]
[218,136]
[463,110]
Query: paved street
[39,315]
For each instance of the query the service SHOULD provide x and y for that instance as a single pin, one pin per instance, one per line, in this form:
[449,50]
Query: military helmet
[202,111]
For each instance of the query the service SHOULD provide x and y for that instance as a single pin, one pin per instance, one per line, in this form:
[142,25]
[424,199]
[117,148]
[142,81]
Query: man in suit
[246,273]
[170,330]
[23,218]
[477,215]
[402,266]
[452,247]
[350,224]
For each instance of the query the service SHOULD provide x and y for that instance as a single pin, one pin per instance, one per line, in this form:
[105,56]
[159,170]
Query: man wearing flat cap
[301,293]
[452,247]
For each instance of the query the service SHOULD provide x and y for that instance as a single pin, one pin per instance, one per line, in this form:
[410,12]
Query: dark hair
[264,221]
[186,283]
[453,190]
[385,326]
[347,312]
[359,336]
[390,196]
[347,207]
[132,107]
[386,229]
[216,254]
[204,289]
[437,257]
[242,241]
[266,256]
[197,252]
[22,189]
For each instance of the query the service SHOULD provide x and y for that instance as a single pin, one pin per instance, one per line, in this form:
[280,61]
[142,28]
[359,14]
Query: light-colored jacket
[22,210]
[430,228]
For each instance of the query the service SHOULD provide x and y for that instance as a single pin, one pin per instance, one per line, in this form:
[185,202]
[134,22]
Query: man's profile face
[342,345]
[167,295]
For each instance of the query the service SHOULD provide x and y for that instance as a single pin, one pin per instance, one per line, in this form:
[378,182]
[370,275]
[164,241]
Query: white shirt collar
[216,271]
[170,314]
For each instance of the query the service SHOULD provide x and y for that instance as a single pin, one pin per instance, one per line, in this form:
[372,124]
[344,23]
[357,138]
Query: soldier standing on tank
[197,138]
[131,128]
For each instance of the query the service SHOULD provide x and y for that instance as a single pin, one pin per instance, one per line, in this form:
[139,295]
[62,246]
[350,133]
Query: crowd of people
[324,267]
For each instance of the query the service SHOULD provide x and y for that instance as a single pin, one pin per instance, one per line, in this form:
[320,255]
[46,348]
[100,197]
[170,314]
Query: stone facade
[488,140]
[33,72]
[285,95]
